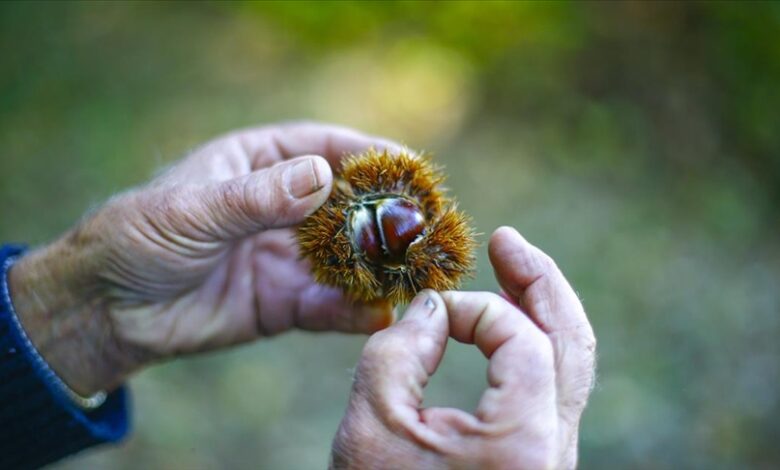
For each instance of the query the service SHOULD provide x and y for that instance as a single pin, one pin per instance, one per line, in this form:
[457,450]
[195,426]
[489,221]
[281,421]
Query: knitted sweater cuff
[39,423]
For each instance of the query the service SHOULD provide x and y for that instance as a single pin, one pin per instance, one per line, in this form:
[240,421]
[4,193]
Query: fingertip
[307,181]
[436,299]
[506,229]
[307,175]
[425,305]
[505,236]
[322,171]
[425,327]
[511,256]
[374,316]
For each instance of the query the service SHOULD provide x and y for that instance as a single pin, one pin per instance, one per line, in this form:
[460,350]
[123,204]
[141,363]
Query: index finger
[520,372]
[267,145]
[531,277]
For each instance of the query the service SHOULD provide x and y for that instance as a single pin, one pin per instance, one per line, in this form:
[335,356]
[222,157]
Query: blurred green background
[637,143]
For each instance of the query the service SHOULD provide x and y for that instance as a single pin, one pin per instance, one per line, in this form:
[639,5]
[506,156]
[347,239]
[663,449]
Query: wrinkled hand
[202,257]
[541,352]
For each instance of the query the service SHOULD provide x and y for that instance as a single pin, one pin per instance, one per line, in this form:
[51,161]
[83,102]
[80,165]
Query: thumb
[278,196]
[397,362]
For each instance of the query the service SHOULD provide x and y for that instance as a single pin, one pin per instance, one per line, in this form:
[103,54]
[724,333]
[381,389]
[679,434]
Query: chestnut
[382,229]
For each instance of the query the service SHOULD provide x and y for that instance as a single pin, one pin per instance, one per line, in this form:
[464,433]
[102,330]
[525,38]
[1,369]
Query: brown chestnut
[382,229]
[365,233]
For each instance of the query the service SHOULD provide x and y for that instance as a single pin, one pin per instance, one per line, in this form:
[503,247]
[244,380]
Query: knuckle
[159,204]
[233,195]
[296,124]
[267,197]
[589,342]
[255,202]
[493,308]
[581,340]
[545,262]
[382,357]
[235,203]
[372,351]
[164,208]
[494,304]
[395,419]
[382,345]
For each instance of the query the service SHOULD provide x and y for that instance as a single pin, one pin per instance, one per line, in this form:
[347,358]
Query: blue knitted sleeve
[39,423]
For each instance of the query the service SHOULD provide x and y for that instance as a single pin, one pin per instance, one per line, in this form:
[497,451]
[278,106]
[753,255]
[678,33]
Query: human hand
[540,348]
[202,257]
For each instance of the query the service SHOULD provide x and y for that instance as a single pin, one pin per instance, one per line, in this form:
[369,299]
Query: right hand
[541,350]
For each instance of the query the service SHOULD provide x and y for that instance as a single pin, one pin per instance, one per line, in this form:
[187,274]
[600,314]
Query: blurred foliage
[635,142]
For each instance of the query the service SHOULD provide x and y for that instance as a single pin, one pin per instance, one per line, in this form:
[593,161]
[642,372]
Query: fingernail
[421,306]
[302,179]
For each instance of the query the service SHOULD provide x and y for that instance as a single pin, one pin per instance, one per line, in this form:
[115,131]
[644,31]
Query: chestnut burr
[388,230]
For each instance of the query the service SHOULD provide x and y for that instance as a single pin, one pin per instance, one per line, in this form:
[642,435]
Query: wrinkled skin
[200,258]
[540,348]
[204,257]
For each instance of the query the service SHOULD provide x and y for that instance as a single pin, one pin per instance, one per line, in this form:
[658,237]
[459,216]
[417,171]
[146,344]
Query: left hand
[200,258]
